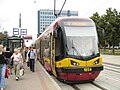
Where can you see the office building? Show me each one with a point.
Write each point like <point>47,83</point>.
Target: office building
<point>46,17</point>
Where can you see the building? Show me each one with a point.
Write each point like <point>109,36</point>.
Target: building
<point>46,17</point>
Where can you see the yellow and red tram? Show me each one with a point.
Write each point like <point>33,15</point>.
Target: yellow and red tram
<point>68,49</point>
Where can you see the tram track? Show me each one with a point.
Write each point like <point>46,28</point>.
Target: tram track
<point>112,70</point>
<point>77,87</point>
<point>111,64</point>
<point>82,86</point>
<point>112,67</point>
<point>97,85</point>
<point>112,77</point>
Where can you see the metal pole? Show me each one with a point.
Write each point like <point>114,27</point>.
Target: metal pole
<point>103,33</point>
<point>20,24</point>
<point>20,27</point>
<point>55,14</point>
<point>54,6</point>
<point>20,20</point>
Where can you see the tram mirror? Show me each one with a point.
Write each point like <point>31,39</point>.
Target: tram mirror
<point>55,34</point>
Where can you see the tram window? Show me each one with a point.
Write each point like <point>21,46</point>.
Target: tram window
<point>47,46</point>
<point>59,44</point>
<point>55,34</point>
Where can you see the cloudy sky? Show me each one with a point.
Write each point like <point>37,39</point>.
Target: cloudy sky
<point>10,10</point>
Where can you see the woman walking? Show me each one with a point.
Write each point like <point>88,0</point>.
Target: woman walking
<point>17,61</point>
<point>2,68</point>
<point>8,54</point>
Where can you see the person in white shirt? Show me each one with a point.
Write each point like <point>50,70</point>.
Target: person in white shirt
<point>17,61</point>
<point>32,56</point>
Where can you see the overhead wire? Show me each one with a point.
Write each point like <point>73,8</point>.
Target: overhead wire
<point>60,9</point>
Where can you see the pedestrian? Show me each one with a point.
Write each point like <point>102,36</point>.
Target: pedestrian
<point>8,54</point>
<point>24,53</point>
<point>3,64</point>
<point>32,56</point>
<point>27,59</point>
<point>17,62</point>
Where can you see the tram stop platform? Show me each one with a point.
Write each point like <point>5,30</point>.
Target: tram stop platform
<point>38,80</point>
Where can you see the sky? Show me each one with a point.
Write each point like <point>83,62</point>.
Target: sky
<point>10,10</point>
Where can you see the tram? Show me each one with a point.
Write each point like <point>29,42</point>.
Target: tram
<point>69,49</point>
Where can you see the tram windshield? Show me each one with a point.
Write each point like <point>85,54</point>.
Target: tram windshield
<point>81,39</point>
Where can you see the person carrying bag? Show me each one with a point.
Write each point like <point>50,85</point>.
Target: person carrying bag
<point>3,64</point>
<point>18,62</point>
<point>21,73</point>
<point>8,54</point>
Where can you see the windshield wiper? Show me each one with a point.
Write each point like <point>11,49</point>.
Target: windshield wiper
<point>76,50</point>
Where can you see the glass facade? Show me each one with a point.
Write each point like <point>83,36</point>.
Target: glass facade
<point>46,17</point>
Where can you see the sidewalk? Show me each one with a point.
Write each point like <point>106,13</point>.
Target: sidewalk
<point>111,59</point>
<point>38,80</point>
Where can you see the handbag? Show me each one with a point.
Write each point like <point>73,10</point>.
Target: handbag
<point>21,73</point>
<point>6,73</point>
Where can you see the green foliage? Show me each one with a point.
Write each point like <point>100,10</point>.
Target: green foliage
<point>108,27</point>
<point>1,36</point>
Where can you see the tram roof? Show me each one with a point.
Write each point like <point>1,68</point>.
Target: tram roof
<point>60,19</point>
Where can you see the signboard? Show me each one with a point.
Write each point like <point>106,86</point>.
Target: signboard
<point>19,31</point>
<point>28,37</point>
<point>78,23</point>
<point>15,31</point>
<point>23,31</point>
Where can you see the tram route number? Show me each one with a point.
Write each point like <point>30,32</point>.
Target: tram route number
<point>87,69</point>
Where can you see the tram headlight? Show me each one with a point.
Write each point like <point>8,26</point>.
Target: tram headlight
<point>96,62</point>
<point>74,63</point>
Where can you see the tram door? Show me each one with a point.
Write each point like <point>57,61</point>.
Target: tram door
<point>52,61</point>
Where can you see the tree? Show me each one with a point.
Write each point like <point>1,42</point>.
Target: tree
<point>3,38</point>
<point>110,24</point>
<point>98,21</point>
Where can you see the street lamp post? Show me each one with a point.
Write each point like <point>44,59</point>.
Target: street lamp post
<point>20,28</point>
<point>103,33</point>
